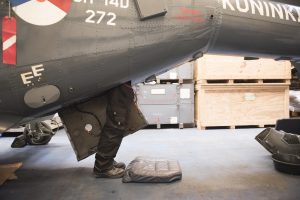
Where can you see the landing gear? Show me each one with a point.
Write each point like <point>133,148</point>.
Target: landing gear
<point>35,133</point>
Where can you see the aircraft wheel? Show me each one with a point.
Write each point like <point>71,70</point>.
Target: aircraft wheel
<point>40,134</point>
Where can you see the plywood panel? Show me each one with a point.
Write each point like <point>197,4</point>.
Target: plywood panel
<point>215,67</point>
<point>235,105</point>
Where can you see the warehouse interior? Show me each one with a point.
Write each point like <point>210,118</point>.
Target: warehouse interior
<point>199,114</point>
<point>216,164</point>
<point>150,99</point>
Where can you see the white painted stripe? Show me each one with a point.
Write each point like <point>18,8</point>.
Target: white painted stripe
<point>9,42</point>
<point>38,13</point>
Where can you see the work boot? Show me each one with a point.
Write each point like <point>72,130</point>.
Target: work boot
<point>119,164</point>
<point>109,173</point>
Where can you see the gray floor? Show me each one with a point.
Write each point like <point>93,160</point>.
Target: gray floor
<point>216,164</point>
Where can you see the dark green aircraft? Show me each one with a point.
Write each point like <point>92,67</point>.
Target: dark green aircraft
<point>61,53</point>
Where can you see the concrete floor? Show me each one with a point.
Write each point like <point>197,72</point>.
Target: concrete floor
<point>216,164</point>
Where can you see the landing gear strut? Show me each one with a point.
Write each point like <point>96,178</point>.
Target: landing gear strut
<point>35,133</point>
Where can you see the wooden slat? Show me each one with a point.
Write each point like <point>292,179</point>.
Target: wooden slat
<point>240,105</point>
<point>244,82</point>
<point>215,67</point>
<point>235,127</point>
<point>7,172</point>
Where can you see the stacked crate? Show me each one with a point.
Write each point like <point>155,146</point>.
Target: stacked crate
<point>170,101</point>
<point>233,92</point>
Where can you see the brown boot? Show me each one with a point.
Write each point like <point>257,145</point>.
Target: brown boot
<point>114,172</point>
<point>119,164</point>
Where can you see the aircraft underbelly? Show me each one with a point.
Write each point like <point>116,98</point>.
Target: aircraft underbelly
<point>8,121</point>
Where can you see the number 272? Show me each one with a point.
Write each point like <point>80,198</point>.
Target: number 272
<point>96,17</point>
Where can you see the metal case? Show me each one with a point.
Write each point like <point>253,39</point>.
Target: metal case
<point>186,93</point>
<point>168,114</point>
<point>167,103</point>
<point>156,94</point>
<point>185,71</point>
<point>160,114</point>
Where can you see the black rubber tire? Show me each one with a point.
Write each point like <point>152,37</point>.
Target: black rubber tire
<point>44,140</point>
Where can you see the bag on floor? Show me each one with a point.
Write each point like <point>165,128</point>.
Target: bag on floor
<point>152,170</point>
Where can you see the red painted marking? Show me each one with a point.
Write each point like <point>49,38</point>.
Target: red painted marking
<point>186,10</point>
<point>64,5</point>
<point>9,30</point>
<point>190,15</point>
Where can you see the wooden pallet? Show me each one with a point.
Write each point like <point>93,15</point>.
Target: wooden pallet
<point>235,127</point>
<point>244,82</point>
<point>168,126</point>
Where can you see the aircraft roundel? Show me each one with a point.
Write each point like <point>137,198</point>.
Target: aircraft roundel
<point>41,12</point>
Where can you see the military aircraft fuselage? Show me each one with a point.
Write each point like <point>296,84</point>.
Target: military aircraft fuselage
<point>93,45</point>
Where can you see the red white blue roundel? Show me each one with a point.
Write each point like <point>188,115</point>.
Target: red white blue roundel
<point>41,12</point>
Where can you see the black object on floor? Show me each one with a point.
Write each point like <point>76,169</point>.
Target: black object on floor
<point>284,167</point>
<point>152,170</point>
<point>289,125</point>
<point>284,147</point>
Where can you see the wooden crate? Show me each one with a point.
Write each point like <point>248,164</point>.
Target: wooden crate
<point>215,67</point>
<point>240,105</point>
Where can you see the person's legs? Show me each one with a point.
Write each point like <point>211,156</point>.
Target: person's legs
<point>109,144</point>
<point>113,133</point>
